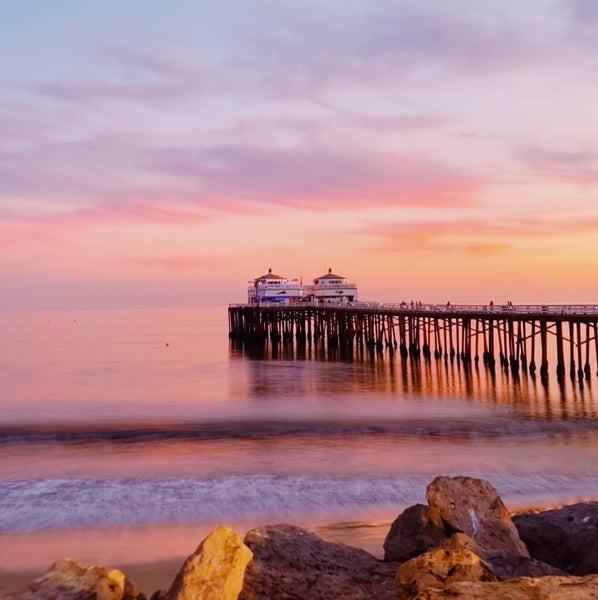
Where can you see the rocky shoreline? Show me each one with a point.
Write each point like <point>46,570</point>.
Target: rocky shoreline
<point>462,544</point>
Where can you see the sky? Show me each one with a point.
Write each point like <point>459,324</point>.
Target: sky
<point>160,153</point>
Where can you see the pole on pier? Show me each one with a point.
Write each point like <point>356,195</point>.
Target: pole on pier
<point>402,335</point>
<point>437,344</point>
<point>579,361</point>
<point>522,333</point>
<point>426,348</point>
<point>532,363</point>
<point>513,359</point>
<point>544,349</point>
<point>560,354</point>
<point>586,367</point>
<point>491,359</point>
<point>571,351</point>
<point>451,347</point>
<point>500,349</point>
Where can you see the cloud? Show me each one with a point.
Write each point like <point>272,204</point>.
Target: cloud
<point>308,50</point>
<point>175,263</point>
<point>398,123</point>
<point>94,92</point>
<point>138,174</point>
<point>136,73</point>
<point>469,236</point>
<point>335,127</point>
<point>557,157</point>
<point>314,177</point>
<point>576,165</point>
<point>140,211</point>
<point>388,43</point>
<point>94,174</point>
<point>161,63</point>
<point>583,11</point>
<point>166,211</point>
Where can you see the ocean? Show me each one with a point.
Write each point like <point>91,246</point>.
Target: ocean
<point>126,435</point>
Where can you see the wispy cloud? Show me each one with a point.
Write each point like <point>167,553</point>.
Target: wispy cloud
<point>307,53</point>
<point>163,63</point>
<point>132,72</point>
<point>123,212</point>
<point>134,174</point>
<point>574,164</point>
<point>94,92</point>
<point>166,211</point>
<point>470,236</point>
<point>398,122</point>
<point>390,43</point>
<point>175,263</point>
<point>583,11</point>
<point>315,178</point>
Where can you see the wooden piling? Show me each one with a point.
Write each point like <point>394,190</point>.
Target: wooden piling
<point>444,331</point>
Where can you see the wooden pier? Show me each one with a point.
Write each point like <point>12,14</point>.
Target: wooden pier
<point>518,337</point>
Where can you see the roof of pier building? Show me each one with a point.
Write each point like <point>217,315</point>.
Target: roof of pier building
<point>270,277</point>
<point>329,275</point>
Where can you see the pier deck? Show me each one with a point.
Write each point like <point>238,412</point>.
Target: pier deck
<point>516,335</point>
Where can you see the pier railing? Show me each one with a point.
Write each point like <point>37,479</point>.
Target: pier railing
<point>455,309</point>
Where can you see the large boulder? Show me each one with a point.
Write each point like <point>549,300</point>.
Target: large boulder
<point>521,588</point>
<point>473,506</point>
<point>455,560</point>
<point>289,562</point>
<point>566,538</point>
<point>417,529</point>
<point>215,571</point>
<point>70,580</point>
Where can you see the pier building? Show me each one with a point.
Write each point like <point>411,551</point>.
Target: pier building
<point>332,288</point>
<point>271,289</point>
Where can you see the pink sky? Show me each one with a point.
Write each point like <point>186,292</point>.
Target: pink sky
<point>153,155</point>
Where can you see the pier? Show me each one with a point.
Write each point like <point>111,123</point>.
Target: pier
<point>516,337</point>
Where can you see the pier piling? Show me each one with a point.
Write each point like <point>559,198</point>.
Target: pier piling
<point>448,332</point>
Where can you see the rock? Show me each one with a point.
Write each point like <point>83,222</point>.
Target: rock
<point>566,538</point>
<point>504,567</point>
<point>521,588</point>
<point>215,571</point>
<point>437,568</point>
<point>289,562</point>
<point>70,580</point>
<point>460,541</point>
<point>474,507</point>
<point>417,529</point>
<point>507,567</point>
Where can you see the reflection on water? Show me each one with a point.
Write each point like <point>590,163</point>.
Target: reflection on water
<point>306,370</point>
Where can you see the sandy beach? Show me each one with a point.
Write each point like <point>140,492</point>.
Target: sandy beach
<point>152,556</point>
<point>149,577</point>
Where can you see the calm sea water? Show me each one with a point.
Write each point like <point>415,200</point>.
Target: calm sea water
<point>149,418</point>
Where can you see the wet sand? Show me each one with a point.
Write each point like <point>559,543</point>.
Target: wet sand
<point>149,577</point>
<point>152,556</point>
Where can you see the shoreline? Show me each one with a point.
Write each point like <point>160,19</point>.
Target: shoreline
<point>149,577</point>
<point>152,555</point>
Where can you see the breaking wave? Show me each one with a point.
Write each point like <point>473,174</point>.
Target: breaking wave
<point>66,503</point>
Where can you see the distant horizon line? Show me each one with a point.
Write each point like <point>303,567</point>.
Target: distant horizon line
<point>225,305</point>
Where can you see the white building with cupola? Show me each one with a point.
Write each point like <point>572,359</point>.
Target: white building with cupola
<point>329,288</point>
